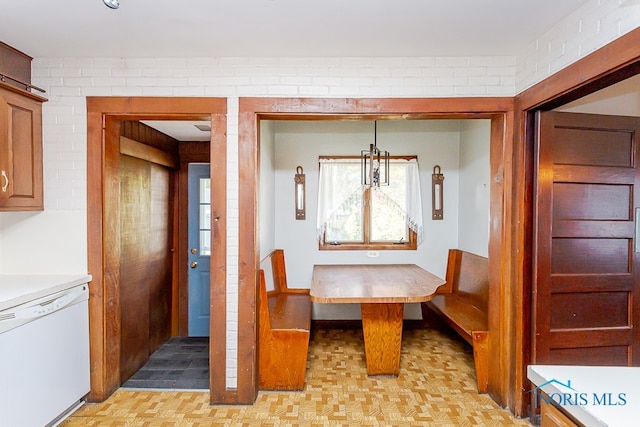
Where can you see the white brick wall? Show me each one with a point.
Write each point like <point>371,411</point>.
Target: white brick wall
<point>69,81</point>
<point>587,29</point>
<point>232,241</point>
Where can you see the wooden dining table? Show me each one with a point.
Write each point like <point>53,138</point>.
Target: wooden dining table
<point>381,290</point>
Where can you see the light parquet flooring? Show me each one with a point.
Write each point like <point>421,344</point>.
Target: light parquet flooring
<point>436,387</point>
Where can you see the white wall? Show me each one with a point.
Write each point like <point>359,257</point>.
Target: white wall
<point>473,192</point>
<point>585,30</point>
<point>266,196</point>
<point>43,242</point>
<point>69,81</point>
<point>622,99</point>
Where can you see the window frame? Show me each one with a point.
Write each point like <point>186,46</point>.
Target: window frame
<point>411,244</point>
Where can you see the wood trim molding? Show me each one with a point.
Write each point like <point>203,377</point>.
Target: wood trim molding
<point>613,62</point>
<point>498,110</point>
<point>104,115</point>
<point>502,288</point>
<point>101,382</point>
<point>132,148</point>
<point>22,92</point>
<point>218,260</point>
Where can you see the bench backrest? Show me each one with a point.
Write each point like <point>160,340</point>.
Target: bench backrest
<point>275,271</point>
<point>468,276</point>
<point>263,304</point>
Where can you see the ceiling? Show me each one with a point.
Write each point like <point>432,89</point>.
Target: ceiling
<point>184,130</point>
<point>276,28</point>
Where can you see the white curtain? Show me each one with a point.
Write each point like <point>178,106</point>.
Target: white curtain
<point>337,189</point>
<point>409,202</point>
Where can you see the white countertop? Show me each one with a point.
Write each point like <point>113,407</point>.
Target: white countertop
<point>593,395</point>
<point>16,289</point>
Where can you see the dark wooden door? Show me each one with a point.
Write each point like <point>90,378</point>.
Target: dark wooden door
<point>146,234</point>
<point>586,252</point>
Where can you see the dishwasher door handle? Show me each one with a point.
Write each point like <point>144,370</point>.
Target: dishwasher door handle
<point>49,306</point>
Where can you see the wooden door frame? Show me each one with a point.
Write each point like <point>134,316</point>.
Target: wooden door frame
<point>190,152</point>
<point>102,227</point>
<point>610,64</point>
<point>498,110</point>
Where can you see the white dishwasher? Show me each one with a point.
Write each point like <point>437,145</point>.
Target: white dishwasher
<point>44,354</point>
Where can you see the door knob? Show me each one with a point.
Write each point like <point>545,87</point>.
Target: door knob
<point>194,264</point>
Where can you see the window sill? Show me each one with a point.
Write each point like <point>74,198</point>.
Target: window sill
<point>368,247</point>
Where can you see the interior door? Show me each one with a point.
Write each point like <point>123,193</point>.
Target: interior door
<point>134,239</point>
<point>199,195</point>
<point>145,262</point>
<point>586,248</point>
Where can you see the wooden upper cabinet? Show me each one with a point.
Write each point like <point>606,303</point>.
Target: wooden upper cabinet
<point>21,186</point>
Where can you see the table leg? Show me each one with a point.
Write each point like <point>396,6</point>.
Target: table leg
<point>382,328</point>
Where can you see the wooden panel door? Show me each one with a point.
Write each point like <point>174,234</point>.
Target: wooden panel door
<point>159,255</point>
<point>585,285</point>
<point>135,266</point>
<point>146,234</point>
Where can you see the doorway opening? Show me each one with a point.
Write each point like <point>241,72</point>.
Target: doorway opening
<point>603,94</point>
<point>106,254</point>
<point>253,111</point>
<point>173,361</point>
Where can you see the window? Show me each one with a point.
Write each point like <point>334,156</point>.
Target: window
<point>352,216</point>
<point>204,223</point>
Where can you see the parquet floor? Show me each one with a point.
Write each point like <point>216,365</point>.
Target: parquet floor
<point>436,387</point>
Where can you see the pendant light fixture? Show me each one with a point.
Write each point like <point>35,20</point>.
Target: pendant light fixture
<point>113,4</point>
<point>374,164</point>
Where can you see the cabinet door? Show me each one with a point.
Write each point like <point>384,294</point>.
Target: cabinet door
<point>6,160</point>
<point>551,416</point>
<point>21,145</point>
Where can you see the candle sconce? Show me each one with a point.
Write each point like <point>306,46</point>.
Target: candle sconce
<point>437,193</point>
<point>299,193</point>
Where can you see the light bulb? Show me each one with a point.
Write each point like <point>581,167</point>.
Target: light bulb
<point>113,4</point>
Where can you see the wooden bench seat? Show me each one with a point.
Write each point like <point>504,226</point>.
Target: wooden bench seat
<point>462,302</point>
<point>289,310</point>
<point>284,330</point>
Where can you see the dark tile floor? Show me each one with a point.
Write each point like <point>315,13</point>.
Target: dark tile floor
<point>179,364</point>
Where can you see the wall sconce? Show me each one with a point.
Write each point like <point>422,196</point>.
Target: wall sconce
<point>437,192</point>
<point>299,191</point>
